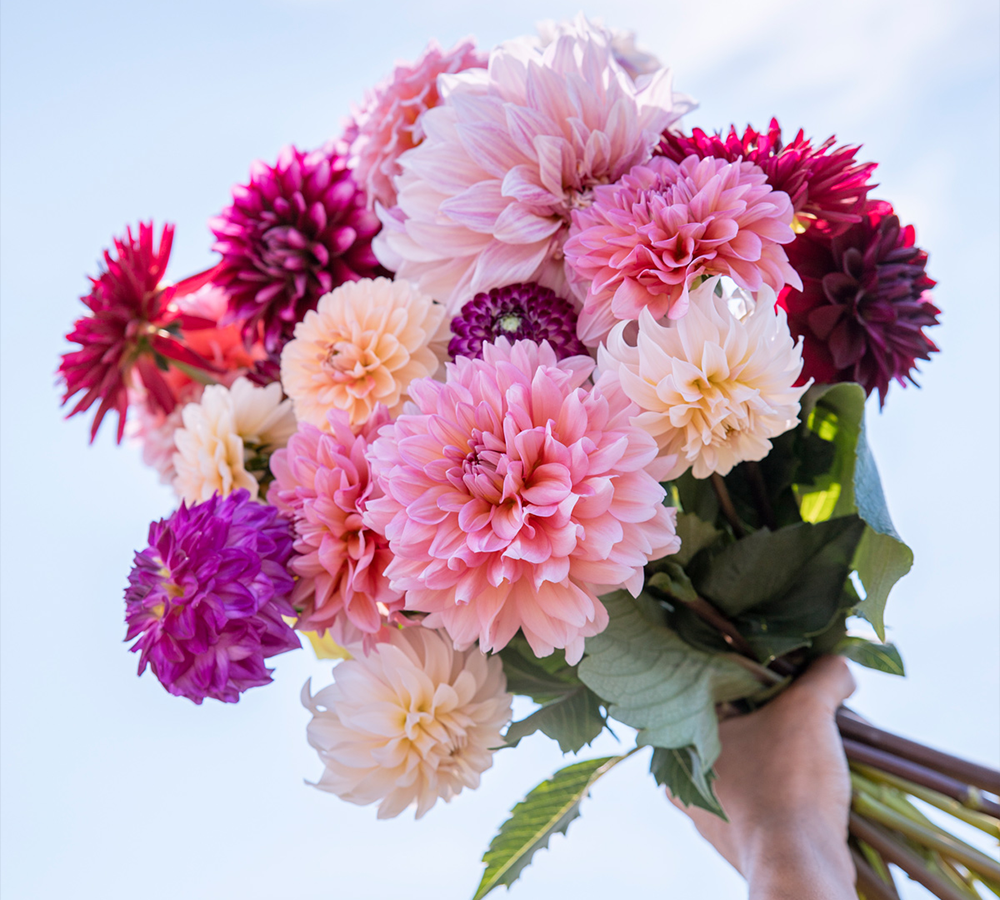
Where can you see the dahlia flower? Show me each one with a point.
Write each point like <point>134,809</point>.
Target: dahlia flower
<point>322,483</point>
<point>125,339</point>
<point>511,493</point>
<point>712,387</point>
<point>486,199</point>
<point>228,437</point>
<point>154,429</point>
<point>824,183</point>
<point>207,595</point>
<point>362,345</point>
<point>388,122</point>
<point>646,239</point>
<point>864,303</point>
<point>632,58</point>
<point>296,231</point>
<point>516,312</point>
<point>414,721</point>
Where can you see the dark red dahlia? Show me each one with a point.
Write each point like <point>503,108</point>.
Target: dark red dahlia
<point>864,302</point>
<point>824,183</point>
<point>131,330</point>
<point>299,229</point>
<point>517,312</point>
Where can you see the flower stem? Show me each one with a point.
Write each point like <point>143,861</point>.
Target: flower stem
<point>726,505</point>
<point>869,884</point>
<point>760,496</point>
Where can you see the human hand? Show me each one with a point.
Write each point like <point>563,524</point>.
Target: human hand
<point>784,784</point>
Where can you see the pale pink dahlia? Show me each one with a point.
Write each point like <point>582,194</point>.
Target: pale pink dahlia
<point>645,240</point>
<point>485,200</point>
<point>513,496</point>
<point>322,482</point>
<point>388,122</point>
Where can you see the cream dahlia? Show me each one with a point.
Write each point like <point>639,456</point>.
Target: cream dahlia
<point>362,345</point>
<point>511,493</point>
<point>485,200</point>
<point>714,386</point>
<point>645,240</point>
<point>228,438</point>
<point>414,721</point>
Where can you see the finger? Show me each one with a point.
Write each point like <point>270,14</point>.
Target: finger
<point>829,679</point>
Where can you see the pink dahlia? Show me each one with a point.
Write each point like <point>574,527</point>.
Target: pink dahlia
<point>645,240</point>
<point>824,183</point>
<point>388,122</point>
<point>130,333</point>
<point>864,303</point>
<point>514,496</point>
<point>323,484</point>
<point>485,200</point>
<point>296,231</point>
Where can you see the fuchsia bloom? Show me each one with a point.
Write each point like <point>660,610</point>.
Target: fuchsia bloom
<point>645,239</point>
<point>207,595</point>
<point>388,123</point>
<point>323,484</point>
<point>125,336</point>
<point>296,231</point>
<point>517,312</point>
<point>511,493</point>
<point>864,303</point>
<point>824,184</point>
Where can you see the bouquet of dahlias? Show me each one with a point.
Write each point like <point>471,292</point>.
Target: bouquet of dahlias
<point>519,387</point>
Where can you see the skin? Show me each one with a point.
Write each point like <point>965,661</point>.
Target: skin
<point>784,783</point>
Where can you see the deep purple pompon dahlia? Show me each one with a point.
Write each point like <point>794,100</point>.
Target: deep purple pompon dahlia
<point>517,312</point>
<point>206,597</point>
<point>296,231</point>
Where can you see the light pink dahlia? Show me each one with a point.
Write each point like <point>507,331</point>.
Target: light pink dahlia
<point>323,483</point>
<point>485,200</point>
<point>388,122</point>
<point>645,240</point>
<point>514,495</point>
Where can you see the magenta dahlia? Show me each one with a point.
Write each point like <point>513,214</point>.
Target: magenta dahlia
<point>517,312</point>
<point>131,331</point>
<point>296,231</point>
<point>864,302</point>
<point>207,596</point>
<point>824,183</point>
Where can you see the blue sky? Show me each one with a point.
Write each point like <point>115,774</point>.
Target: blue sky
<point>113,112</point>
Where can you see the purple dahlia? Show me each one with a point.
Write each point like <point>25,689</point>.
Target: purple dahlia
<point>517,312</point>
<point>207,596</point>
<point>825,183</point>
<point>864,302</point>
<point>296,231</point>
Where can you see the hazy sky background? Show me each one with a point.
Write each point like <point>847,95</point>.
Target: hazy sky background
<point>113,112</point>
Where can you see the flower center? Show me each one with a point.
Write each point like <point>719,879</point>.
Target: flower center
<point>510,322</point>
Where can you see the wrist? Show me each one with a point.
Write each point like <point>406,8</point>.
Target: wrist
<point>798,861</point>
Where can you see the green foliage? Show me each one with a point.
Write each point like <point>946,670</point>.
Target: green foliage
<point>574,720</point>
<point>696,534</point>
<point>547,810</point>
<point>881,657</point>
<point>681,771</point>
<point>543,680</point>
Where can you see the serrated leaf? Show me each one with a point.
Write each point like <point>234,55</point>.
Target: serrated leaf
<point>547,810</point>
<point>530,676</point>
<point>681,772</point>
<point>573,720</point>
<point>881,657</point>
<point>671,579</point>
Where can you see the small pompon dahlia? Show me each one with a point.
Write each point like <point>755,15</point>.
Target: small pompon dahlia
<point>412,722</point>
<point>517,312</point>
<point>646,239</point>
<point>388,122</point>
<point>864,303</point>
<point>510,493</point>
<point>207,596</point>
<point>125,338</point>
<point>825,183</point>
<point>362,346</point>
<point>228,438</point>
<point>713,387</point>
<point>322,483</point>
<point>485,200</point>
<point>296,231</point>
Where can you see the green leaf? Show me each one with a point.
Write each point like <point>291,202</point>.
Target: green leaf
<point>657,683</point>
<point>671,579</point>
<point>881,657</point>
<point>542,680</point>
<point>680,770</point>
<point>573,720</point>
<point>695,535</point>
<point>547,810</point>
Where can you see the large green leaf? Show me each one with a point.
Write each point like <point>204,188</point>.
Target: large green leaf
<point>680,769</point>
<point>657,683</point>
<point>573,720</point>
<point>696,534</point>
<point>547,810</point>
<point>881,657</point>
<point>543,680</point>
